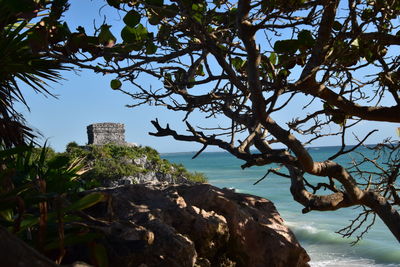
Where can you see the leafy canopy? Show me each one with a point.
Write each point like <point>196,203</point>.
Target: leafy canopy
<point>248,64</point>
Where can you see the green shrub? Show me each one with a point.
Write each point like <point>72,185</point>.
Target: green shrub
<point>197,177</point>
<point>113,161</point>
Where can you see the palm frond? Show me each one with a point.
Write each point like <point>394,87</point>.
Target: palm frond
<point>21,65</point>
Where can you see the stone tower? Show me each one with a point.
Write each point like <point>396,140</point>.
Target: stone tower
<point>105,133</point>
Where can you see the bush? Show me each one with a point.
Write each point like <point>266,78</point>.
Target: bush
<point>113,162</point>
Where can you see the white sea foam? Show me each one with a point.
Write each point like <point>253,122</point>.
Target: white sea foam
<point>340,261</point>
<point>302,226</point>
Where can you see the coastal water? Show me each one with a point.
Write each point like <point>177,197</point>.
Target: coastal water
<point>315,230</point>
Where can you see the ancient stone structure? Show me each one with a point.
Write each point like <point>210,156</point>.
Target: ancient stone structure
<point>105,133</point>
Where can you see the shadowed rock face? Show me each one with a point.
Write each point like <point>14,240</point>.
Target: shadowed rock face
<point>194,225</point>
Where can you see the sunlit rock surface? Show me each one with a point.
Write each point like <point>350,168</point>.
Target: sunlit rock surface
<point>194,225</point>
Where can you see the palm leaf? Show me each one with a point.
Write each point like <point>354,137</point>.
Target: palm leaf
<point>21,65</point>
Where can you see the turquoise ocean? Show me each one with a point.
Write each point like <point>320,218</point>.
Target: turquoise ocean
<point>315,230</point>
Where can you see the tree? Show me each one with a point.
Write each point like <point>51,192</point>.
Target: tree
<point>245,61</point>
<point>24,45</point>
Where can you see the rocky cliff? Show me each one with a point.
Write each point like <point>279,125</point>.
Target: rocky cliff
<point>193,225</point>
<point>160,221</point>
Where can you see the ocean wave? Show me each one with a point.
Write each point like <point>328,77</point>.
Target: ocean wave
<point>311,234</point>
<point>335,260</point>
<point>320,244</point>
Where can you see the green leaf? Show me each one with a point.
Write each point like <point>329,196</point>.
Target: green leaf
<point>115,84</point>
<point>273,58</point>
<point>174,43</point>
<point>86,202</point>
<point>200,70</point>
<point>198,17</point>
<point>132,18</point>
<point>198,7</point>
<point>154,19</point>
<point>7,214</point>
<point>106,38</point>
<point>19,5</point>
<point>305,38</point>
<point>195,7</point>
<point>283,74</point>
<point>191,80</point>
<point>132,35</point>
<point>171,11</point>
<point>127,35</point>
<point>368,54</point>
<point>238,63</point>
<point>29,222</point>
<point>287,61</point>
<point>286,46</point>
<point>151,48</point>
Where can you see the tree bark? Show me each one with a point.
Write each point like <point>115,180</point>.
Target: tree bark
<point>385,211</point>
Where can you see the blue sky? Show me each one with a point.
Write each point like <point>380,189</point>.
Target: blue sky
<point>85,98</point>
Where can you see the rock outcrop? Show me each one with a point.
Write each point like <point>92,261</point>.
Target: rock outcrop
<point>193,225</point>
<point>154,176</point>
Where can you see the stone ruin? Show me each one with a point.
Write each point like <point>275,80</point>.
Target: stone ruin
<point>105,133</point>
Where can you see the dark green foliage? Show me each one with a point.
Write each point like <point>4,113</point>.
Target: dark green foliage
<point>115,84</point>
<point>132,18</point>
<point>39,199</point>
<point>23,63</point>
<point>114,161</point>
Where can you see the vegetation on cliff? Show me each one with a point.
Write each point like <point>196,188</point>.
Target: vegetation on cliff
<point>113,162</point>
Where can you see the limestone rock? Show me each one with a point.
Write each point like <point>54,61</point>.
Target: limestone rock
<point>141,161</point>
<point>194,225</point>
